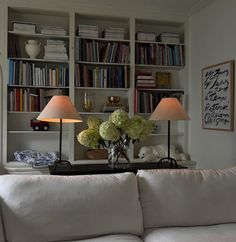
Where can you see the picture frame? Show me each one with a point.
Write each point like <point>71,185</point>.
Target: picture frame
<point>218,96</point>
<point>163,80</point>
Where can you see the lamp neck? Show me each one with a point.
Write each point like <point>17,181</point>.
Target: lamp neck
<point>60,139</point>
<point>168,139</point>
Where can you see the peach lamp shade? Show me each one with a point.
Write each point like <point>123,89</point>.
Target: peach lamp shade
<point>169,109</point>
<point>60,108</point>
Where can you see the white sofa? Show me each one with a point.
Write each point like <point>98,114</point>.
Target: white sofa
<point>154,206</point>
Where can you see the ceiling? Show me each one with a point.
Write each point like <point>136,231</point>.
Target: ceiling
<point>183,7</point>
<point>173,5</point>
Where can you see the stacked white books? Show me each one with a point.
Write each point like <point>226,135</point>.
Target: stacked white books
<point>114,33</point>
<point>146,36</point>
<point>89,31</point>
<point>21,27</point>
<point>171,38</point>
<point>55,50</point>
<point>145,80</point>
<point>53,30</point>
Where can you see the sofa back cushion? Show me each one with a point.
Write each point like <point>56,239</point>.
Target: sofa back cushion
<point>187,197</point>
<point>1,227</point>
<point>57,208</point>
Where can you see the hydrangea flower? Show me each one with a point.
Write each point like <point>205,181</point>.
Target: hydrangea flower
<point>119,118</point>
<point>119,130</point>
<point>109,132</point>
<point>147,129</point>
<point>134,127</point>
<point>93,122</point>
<point>89,138</point>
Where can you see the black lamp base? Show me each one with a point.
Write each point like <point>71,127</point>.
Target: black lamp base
<point>61,163</point>
<point>167,160</point>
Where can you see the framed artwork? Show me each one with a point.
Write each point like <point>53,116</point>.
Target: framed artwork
<point>218,96</point>
<point>163,80</point>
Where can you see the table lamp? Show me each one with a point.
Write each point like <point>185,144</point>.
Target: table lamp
<point>60,110</point>
<point>169,109</point>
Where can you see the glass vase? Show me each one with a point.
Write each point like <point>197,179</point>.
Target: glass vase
<point>117,156</point>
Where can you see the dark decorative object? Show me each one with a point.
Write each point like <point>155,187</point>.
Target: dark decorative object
<point>38,125</point>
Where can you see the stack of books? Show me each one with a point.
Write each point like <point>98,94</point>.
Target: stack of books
<point>53,30</point>
<point>145,80</point>
<point>114,33</point>
<point>55,50</point>
<point>171,38</point>
<point>87,31</point>
<point>146,36</point>
<point>29,28</point>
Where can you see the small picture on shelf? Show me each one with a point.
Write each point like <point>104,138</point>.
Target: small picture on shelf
<point>163,80</point>
<point>112,104</point>
<point>24,27</point>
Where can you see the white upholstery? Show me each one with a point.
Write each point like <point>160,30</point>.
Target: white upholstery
<point>1,228</point>
<point>56,208</point>
<point>213,233</point>
<point>187,197</point>
<point>112,238</point>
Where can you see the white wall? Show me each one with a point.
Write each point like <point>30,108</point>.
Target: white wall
<point>212,40</point>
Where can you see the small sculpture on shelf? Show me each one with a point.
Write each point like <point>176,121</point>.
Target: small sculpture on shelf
<point>112,104</point>
<point>156,152</point>
<point>32,48</point>
<point>37,125</point>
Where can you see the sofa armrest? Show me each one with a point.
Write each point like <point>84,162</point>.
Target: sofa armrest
<point>2,239</point>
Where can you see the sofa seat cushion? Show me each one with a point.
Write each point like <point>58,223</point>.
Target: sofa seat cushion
<point>58,208</point>
<point>184,197</point>
<point>112,238</point>
<point>212,233</point>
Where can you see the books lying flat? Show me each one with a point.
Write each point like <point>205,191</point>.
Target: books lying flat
<point>114,33</point>
<point>146,36</point>
<point>22,27</point>
<point>107,108</point>
<point>53,30</point>
<point>171,38</point>
<point>89,31</point>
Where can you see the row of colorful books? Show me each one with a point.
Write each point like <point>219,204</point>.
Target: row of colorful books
<point>159,54</point>
<point>146,101</point>
<point>31,100</point>
<point>28,73</point>
<point>111,77</point>
<point>94,51</point>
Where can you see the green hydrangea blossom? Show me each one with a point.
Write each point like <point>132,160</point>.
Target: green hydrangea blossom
<point>109,132</point>
<point>147,129</point>
<point>94,122</point>
<point>89,138</point>
<point>134,127</point>
<point>119,118</point>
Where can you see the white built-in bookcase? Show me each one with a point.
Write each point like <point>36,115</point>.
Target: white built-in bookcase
<point>17,133</point>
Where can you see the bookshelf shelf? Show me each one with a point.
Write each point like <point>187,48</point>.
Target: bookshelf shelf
<point>43,87</point>
<point>101,63</point>
<point>161,90</point>
<point>38,60</point>
<point>39,35</point>
<point>156,42</point>
<point>166,134</point>
<point>104,40</point>
<point>94,113</point>
<point>96,65</point>
<point>158,66</point>
<point>22,112</point>
<point>35,132</point>
<point>102,89</point>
